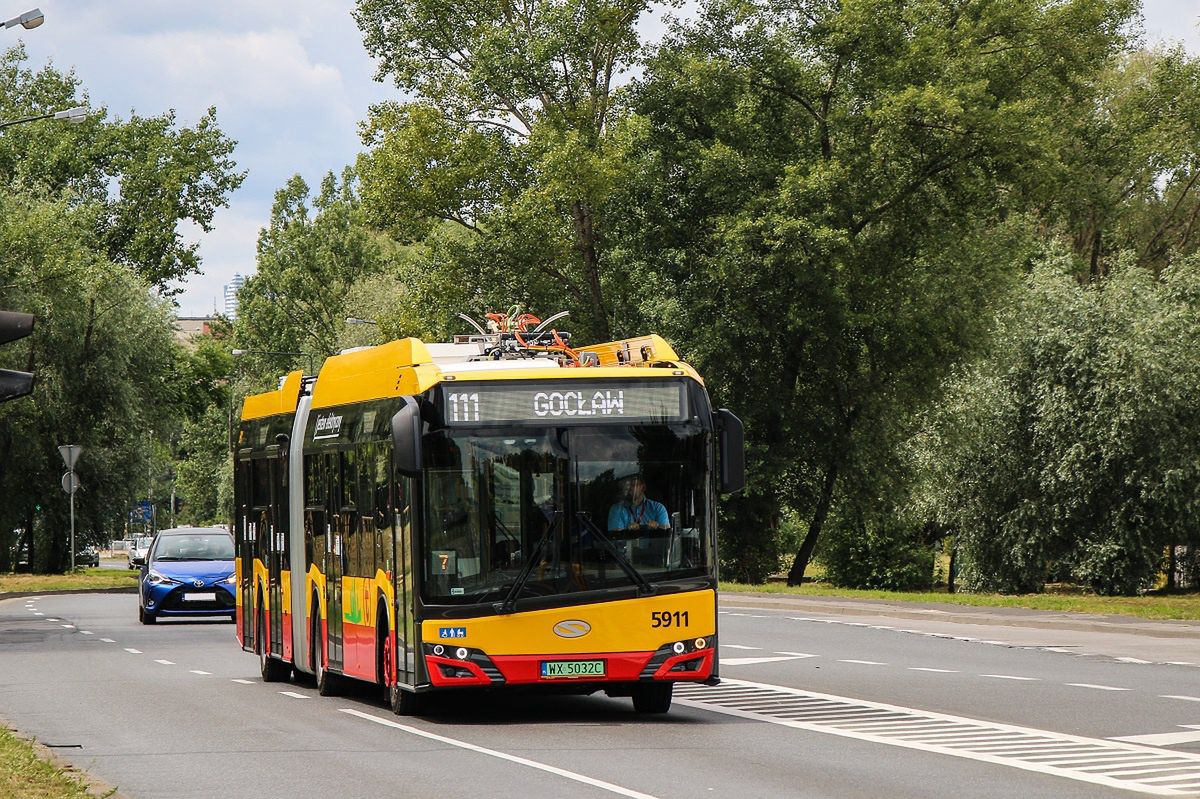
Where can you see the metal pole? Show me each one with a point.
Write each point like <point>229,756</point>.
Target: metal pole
<point>71,483</point>
<point>172,504</point>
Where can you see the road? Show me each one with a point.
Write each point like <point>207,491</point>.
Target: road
<point>810,707</point>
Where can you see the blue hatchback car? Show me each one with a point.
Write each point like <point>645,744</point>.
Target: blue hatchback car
<point>188,572</point>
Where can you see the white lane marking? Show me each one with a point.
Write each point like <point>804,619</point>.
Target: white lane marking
<point>39,613</point>
<point>739,646</point>
<point>1184,698</point>
<point>1180,663</point>
<point>133,651</point>
<point>1097,687</point>
<point>293,695</point>
<point>108,640</point>
<point>68,626</point>
<point>197,671</point>
<point>936,671</point>
<point>864,662</point>
<point>1133,660</point>
<point>727,697</point>
<point>753,661</point>
<point>571,775</point>
<point>795,654</point>
<point>243,682</point>
<point>1011,677</point>
<point>1165,738</point>
<point>85,632</point>
<point>49,619</point>
<point>166,662</point>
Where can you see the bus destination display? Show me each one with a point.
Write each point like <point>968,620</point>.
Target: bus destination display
<point>657,401</point>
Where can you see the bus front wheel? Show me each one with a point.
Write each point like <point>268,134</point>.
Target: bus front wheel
<point>653,697</point>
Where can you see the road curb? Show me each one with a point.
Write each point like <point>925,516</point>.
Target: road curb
<point>1052,620</point>
<point>94,786</point>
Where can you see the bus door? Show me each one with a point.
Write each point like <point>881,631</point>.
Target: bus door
<point>401,558</point>
<point>245,554</point>
<point>335,559</point>
<point>275,557</point>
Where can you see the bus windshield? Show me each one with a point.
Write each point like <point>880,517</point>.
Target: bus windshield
<point>555,511</point>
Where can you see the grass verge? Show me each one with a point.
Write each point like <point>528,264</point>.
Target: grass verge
<point>24,774</point>
<point>81,579</point>
<point>1179,607</point>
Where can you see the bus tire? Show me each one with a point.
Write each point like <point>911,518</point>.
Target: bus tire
<point>405,703</point>
<point>326,682</point>
<point>652,697</point>
<point>272,669</point>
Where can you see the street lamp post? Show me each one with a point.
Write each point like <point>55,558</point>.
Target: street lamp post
<point>29,20</point>
<point>73,115</point>
<point>240,353</point>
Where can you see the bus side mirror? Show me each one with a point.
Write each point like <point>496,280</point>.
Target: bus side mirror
<point>733,451</point>
<point>406,438</point>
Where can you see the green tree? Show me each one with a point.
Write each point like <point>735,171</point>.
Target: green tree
<point>140,177</point>
<point>104,359</point>
<point>511,140</point>
<point>1073,446</point>
<point>308,261</point>
<point>822,209</point>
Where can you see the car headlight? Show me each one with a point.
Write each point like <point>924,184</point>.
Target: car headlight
<point>158,578</point>
<point>230,580</point>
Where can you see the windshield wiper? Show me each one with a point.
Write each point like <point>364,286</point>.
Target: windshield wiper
<point>510,601</point>
<point>644,587</point>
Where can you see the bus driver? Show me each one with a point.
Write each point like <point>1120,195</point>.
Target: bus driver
<point>635,511</point>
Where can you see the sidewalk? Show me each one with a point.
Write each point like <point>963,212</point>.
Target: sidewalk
<point>1082,633</point>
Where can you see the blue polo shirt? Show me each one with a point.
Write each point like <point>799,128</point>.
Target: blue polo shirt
<point>621,515</point>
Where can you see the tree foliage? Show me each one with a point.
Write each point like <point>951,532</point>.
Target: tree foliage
<point>1073,446</point>
<point>139,178</point>
<point>510,138</point>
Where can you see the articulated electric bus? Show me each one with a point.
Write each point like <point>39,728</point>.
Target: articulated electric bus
<point>502,511</point>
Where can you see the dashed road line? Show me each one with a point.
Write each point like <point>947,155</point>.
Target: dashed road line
<point>198,671</point>
<point>68,626</point>
<point>571,775</point>
<point>864,662</point>
<point>1133,660</point>
<point>166,662</point>
<point>739,646</point>
<point>797,654</point>
<point>108,640</point>
<point>243,682</point>
<point>1177,696</point>
<point>936,671</point>
<point>1096,687</point>
<point>1012,677</point>
<point>293,695</point>
<point>133,651</point>
<point>86,632</point>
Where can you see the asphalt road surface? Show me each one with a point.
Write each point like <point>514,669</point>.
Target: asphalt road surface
<point>808,708</point>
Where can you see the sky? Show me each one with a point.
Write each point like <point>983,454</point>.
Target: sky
<point>291,83</point>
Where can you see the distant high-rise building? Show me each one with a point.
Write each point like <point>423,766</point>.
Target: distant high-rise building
<point>231,290</point>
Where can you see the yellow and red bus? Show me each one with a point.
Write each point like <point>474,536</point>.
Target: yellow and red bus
<point>429,517</point>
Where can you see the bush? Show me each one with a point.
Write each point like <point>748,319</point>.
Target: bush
<point>884,554</point>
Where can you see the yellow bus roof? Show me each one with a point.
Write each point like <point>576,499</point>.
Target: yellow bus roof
<point>409,366</point>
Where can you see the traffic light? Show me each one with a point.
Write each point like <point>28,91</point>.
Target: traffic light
<point>14,326</point>
<point>178,504</point>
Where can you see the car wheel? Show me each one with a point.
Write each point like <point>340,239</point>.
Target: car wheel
<point>146,618</point>
<point>652,698</point>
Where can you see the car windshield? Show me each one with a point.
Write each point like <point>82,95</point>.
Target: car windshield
<point>564,510</point>
<point>195,546</point>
